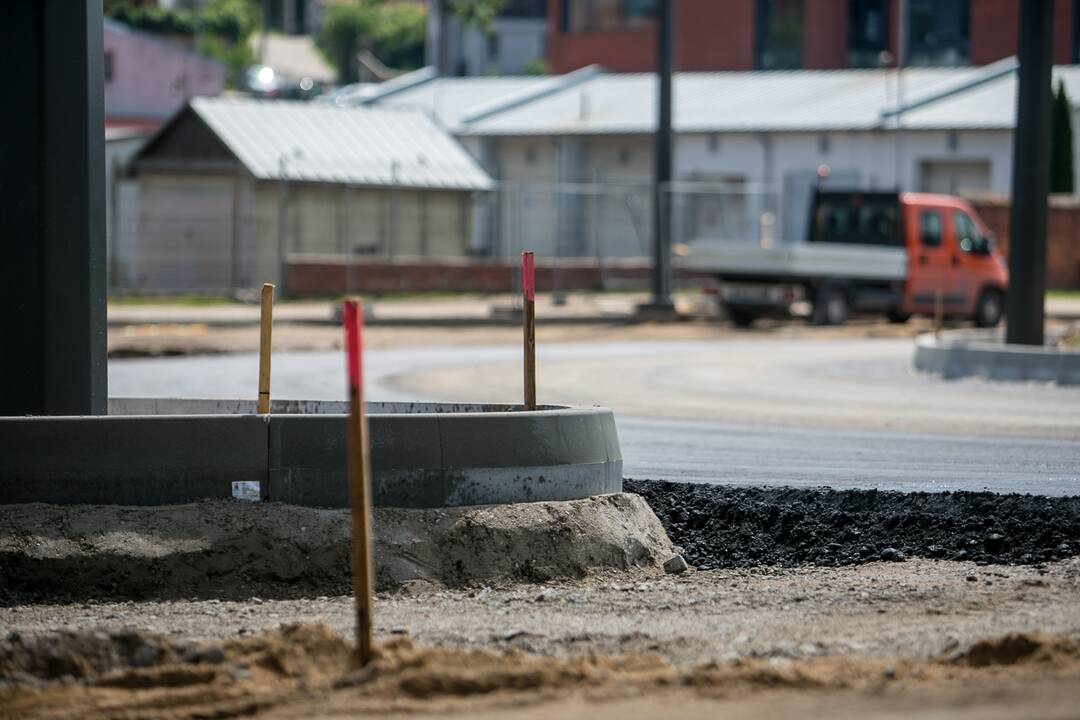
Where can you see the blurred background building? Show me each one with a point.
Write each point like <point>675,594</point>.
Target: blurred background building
<point>769,94</point>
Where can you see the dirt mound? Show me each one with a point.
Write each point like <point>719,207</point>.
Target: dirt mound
<point>721,526</point>
<point>304,671</point>
<point>226,549</point>
<point>1015,648</point>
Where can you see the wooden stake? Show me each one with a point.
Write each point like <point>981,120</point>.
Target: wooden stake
<point>359,462</point>
<point>939,311</point>
<point>528,315</point>
<point>266,320</point>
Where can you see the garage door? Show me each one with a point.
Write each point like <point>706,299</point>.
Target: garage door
<point>953,177</point>
<point>184,239</point>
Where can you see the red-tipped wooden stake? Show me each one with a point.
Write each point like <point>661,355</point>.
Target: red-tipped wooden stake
<point>528,291</point>
<point>363,576</point>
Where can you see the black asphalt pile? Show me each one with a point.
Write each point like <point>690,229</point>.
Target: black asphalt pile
<point>723,527</point>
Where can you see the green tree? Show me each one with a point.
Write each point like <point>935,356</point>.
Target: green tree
<point>1062,178</point>
<point>346,29</point>
<point>399,36</point>
<point>479,14</point>
<point>393,32</point>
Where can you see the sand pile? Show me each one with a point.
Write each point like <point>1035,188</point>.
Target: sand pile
<point>226,549</point>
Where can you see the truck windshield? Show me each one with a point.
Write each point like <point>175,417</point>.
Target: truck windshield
<point>855,219</point>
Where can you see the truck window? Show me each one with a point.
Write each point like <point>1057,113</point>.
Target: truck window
<point>968,236</point>
<point>856,219</point>
<point>930,228</point>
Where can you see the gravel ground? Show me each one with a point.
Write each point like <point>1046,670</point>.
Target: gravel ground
<point>915,609</point>
<point>721,526</point>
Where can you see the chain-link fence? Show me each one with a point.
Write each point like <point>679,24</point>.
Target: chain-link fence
<point>228,234</point>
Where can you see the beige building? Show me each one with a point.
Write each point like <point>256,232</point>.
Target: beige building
<point>230,188</point>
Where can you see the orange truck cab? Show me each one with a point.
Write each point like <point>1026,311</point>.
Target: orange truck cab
<point>951,251</point>
<point>872,252</point>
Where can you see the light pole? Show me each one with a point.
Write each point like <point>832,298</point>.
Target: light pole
<point>1030,177</point>
<point>660,303</point>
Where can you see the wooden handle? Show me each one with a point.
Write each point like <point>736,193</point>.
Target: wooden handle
<point>359,463</point>
<point>266,320</point>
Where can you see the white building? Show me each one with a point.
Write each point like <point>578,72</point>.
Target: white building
<point>573,153</point>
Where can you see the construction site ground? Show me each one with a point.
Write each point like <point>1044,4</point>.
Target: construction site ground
<point>920,638</point>
<point>916,636</point>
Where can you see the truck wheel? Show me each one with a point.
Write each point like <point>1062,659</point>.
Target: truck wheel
<point>989,308</point>
<point>897,317</point>
<point>831,307</point>
<point>742,317</point>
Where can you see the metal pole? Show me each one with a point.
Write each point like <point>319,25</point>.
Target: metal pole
<point>901,61</point>
<point>53,275</point>
<point>661,276</point>
<point>283,217</point>
<point>1031,177</point>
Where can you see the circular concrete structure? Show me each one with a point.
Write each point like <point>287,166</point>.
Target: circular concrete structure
<point>983,353</point>
<point>424,455</point>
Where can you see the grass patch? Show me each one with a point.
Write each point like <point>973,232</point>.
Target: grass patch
<point>1063,294</point>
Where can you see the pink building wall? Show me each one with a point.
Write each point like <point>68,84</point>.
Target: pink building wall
<point>148,78</point>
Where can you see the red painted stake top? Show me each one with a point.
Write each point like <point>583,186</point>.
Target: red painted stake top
<point>353,317</point>
<point>528,276</point>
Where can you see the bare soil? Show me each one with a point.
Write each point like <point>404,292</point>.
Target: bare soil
<point>309,671</point>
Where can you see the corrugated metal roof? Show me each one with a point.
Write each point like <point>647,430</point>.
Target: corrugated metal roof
<point>447,99</point>
<point>775,101</point>
<point>310,142</point>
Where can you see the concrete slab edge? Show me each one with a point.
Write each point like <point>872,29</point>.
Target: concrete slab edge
<point>973,353</point>
<point>419,459</point>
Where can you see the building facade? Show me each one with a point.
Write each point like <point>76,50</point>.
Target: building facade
<point>516,45</point>
<point>795,34</point>
<point>147,78</point>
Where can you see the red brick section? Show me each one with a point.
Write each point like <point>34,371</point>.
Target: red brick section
<point>825,35</point>
<point>1063,236</point>
<point>995,24</point>
<point>321,276</point>
<point>719,35</point>
<point>709,35</point>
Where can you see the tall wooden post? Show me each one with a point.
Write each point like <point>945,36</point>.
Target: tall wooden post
<point>359,465</point>
<point>266,322</point>
<point>528,315</point>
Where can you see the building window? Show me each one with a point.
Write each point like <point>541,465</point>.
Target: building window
<point>624,155</point>
<point>779,34</point>
<point>493,45</point>
<point>1075,53</point>
<point>714,143</point>
<point>824,145</point>
<point>868,32</point>
<point>524,9</point>
<point>577,16</point>
<point>939,33</point>
<point>110,66</point>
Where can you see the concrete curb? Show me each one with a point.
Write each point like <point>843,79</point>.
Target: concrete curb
<point>982,353</point>
<point>423,455</point>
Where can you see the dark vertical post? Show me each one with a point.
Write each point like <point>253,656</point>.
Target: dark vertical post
<point>52,179</point>
<point>1031,177</point>
<point>661,275</point>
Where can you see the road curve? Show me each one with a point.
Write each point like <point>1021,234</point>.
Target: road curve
<point>801,412</point>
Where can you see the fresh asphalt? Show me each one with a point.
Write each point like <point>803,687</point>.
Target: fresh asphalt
<point>836,413</point>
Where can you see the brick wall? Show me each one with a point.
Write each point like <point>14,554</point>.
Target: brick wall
<point>719,35</point>
<point>1063,235</point>
<point>324,275</point>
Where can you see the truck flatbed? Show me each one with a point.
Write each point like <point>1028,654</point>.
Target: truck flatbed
<point>798,261</point>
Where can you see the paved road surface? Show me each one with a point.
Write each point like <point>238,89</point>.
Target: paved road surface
<point>842,413</point>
